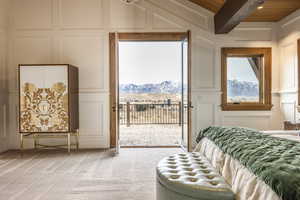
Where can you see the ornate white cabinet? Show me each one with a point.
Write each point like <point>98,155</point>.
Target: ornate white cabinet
<point>48,100</point>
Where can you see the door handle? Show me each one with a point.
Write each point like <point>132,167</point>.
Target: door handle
<point>114,109</point>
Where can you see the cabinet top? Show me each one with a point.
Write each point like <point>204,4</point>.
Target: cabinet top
<point>41,65</point>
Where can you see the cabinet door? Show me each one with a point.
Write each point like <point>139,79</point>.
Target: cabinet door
<point>55,74</point>
<point>44,99</point>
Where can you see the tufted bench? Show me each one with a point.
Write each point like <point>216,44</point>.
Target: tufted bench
<point>190,176</point>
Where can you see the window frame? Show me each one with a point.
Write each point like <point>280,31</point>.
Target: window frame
<point>265,83</point>
<point>298,58</point>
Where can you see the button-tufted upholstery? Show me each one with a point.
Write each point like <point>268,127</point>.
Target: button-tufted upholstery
<point>190,176</point>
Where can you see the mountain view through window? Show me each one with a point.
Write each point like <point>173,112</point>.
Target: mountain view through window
<point>150,72</point>
<point>243,79</point>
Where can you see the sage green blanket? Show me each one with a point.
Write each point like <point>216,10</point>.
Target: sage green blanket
<point>276,161</point>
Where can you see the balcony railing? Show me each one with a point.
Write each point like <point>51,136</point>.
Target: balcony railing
<point>139,114</point>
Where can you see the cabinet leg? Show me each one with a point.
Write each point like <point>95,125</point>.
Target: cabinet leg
<point>35,141</point>
<point>69,142</point>
<point>77,140</point>
<point>21,143</point>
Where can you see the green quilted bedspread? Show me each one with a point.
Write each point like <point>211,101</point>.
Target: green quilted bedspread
<point>276,161</point>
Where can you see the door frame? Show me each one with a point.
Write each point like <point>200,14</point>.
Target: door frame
<point>143,36</point>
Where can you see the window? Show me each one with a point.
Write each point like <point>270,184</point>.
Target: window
<point>246,79</point>
<point>298,54</point>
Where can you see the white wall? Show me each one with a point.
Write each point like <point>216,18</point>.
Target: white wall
<point>288,34</point>
<point>76,32</point>
<point>3,75</point>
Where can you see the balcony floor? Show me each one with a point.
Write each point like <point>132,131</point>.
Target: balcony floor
<point>150,135</point>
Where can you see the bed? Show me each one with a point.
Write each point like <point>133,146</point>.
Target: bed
<point>257,165</point>
<point>287,134</point>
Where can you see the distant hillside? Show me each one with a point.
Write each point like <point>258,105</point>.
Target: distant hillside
<point>235,88</point>
<point>242,88</point>
<point>166,87</point>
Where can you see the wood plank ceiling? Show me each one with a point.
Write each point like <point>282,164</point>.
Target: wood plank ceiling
<point>272,11</point>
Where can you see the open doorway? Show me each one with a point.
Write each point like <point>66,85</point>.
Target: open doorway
<point>150,89</point>
<point>150,93</point>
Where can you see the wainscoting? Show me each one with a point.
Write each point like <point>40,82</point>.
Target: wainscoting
<point>59,31</point>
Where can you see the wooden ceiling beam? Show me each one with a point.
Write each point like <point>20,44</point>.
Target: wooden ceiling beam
<point>212,5</point>
<point>233,12</point>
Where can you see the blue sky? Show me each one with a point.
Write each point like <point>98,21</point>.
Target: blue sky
<point>149,62</point>
<point>240,69</point>
<point>154,62</point>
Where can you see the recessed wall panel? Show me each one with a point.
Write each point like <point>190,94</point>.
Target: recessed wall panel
<point>124,15</point>
<point>203,62</point>
<point>81,14</point>
<point>91,118</point>
<point>255,122</point>
<point>160,22</point>
<point>32,50</point>
<point>32,14</point>
<point>86,52</point>
<point>288,111</point>
<point>288,67</point>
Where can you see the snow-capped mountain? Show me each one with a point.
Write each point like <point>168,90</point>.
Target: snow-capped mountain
<point>168,87</point>
<point>235,88</point>
<point>242,88</point>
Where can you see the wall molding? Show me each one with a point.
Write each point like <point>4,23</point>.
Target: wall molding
<point>82,91</point>
<point>289,19</point>
<point>254,117</point>
<point>91,142</point>
<point>181,14</point>
<point>206,90</point>
<point>98,43</point>
<point>85,142</point>
<point>119,26</point>
<point>253,28</point>
<point>282,92</point>
<point>166,20</point>
<point>293,110</point>
<point>245,114</point>
<point>80,27</point>
<point>201,20</point>
<point>28,28</point>
<point>100,112</point>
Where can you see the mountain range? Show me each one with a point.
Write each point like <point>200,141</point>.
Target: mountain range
<point>168,87</point>
<point>235,88</point>
<point>242,88</point>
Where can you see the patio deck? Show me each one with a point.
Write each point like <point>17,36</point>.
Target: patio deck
<point>150,135</point>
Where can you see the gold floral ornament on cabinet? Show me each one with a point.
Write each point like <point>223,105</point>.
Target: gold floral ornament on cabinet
<point>49,105</point>
<point>44,109</point>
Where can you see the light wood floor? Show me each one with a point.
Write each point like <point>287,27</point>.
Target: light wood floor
<point>55,175</point>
